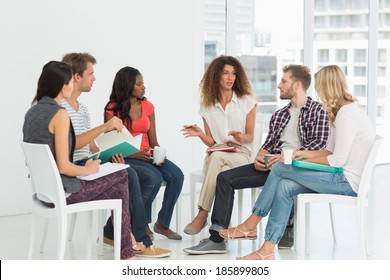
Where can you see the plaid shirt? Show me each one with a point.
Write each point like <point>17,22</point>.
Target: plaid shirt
<point>313,125</point>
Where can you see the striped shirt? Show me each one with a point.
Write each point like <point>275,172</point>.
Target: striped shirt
<point>81,123</point>
<point>313,127</point>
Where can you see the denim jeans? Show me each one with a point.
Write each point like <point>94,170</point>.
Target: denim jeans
<point>286,181</point>
<point>242,177</point>
<point>173,176</point>
<point>139,179</point>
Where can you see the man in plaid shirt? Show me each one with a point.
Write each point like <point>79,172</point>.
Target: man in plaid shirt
<point>301,125</point>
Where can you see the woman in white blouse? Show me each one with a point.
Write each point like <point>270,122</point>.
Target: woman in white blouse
<point>350,142</point>
<point>228,110</point>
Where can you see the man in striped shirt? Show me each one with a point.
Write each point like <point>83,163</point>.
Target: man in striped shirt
<point>301,125</point>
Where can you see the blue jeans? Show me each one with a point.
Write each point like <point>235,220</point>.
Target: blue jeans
<point>174,178</point>
<point>286,181</point>
<point>140,183</point>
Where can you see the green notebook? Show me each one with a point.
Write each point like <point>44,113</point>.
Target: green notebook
<point>114,142</point>
<point>318,167</point>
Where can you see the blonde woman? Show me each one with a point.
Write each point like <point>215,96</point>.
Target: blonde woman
<point>348,147</point>
<point>228,110</point>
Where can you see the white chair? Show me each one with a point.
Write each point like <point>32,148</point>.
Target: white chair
<point>197,176</point>
<point>46,182</point>
<point>302,208</point>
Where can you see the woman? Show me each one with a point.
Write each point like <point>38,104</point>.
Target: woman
<point>228,109</point>
<point>127,102</point>
<point>348,147</point>
<point>49,123</point>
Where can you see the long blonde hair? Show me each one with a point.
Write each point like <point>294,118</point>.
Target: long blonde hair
<point>331,86</point>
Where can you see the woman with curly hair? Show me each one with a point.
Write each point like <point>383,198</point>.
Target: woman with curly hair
<point>228,110</point>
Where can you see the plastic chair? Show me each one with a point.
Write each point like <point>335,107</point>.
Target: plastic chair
<point>197,176</point>
<point>46,182</point>
<point>302,208</point>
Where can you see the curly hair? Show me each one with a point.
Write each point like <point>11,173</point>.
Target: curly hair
<point>210,87</point>
<point>331,86</point>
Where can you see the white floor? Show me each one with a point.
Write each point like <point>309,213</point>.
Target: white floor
<point>14,234</point>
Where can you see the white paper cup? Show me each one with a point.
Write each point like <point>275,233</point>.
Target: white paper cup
<point>159,154</point>
<point>287,155</point>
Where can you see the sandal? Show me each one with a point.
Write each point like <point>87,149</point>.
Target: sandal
<point>258,255</point>
<point>246,234</point>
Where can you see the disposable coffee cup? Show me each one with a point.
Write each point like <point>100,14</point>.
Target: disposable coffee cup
<point>267,157</point>
<point>287,155</point>
<point>159,154</point>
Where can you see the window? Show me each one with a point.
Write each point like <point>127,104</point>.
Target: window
<point>323,55</point>
<point>341,55</point>
<point>359,71</point>
<point>360,55</point>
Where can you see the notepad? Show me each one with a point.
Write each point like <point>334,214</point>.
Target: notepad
<point>222,148</point>
<point>317,167</point>
<point>105,169</point>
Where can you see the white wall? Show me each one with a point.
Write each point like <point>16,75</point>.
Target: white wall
<point>163,39</point>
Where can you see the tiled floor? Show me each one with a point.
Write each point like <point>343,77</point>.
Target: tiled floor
<point>14,234</point>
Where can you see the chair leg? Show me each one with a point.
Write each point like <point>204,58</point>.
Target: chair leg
<point>32,236</point>
<point>44,235</point>
<point>89,234</point>
<point>101,220</point>
<point>73,219</point>
<point>117,219</point>
<point>178,204</point>
<point>332,221</point>
<point>61,242</point>
<point>192,196</point>
<point>239,210</point>
<point>299,227</point>
<point>362,232</point>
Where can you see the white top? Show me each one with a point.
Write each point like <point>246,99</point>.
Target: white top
<point>233,117</point>
<point>350,141</point>
<point>290,135</point>
<point>81,122</point>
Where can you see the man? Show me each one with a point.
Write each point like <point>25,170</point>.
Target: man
<point>301,125</point>
<point>83,78</point>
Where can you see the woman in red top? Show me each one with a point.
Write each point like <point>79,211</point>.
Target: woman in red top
<point>127,102</point>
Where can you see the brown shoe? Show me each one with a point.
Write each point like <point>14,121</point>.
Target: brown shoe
<point>154,252</point>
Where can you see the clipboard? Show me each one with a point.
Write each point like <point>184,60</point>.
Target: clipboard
<point>317,167</point>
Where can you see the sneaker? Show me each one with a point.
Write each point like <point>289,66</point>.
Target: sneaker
<point>154,252</point>
<point>287,240</point>
<point>207,246</point>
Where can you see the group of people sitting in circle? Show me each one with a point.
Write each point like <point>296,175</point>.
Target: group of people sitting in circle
<point>323,133</point>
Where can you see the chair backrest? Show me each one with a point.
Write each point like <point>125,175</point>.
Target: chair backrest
<point>257,140</point>
<point>45,177</point>
<point>365,180</point>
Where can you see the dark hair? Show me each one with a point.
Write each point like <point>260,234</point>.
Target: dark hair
<point>54,76</point>
<point>210,87</point>
<point>122,89</point>
<point>78,61</point>
<point>300,73</point>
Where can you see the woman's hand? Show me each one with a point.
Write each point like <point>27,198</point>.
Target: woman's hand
<point>144,155</point>
<point>118,158</point>
<point>92,166</point>
<point>191,130</point>
<point>238,136</point>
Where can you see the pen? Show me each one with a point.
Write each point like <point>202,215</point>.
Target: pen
<point>190,126</point>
